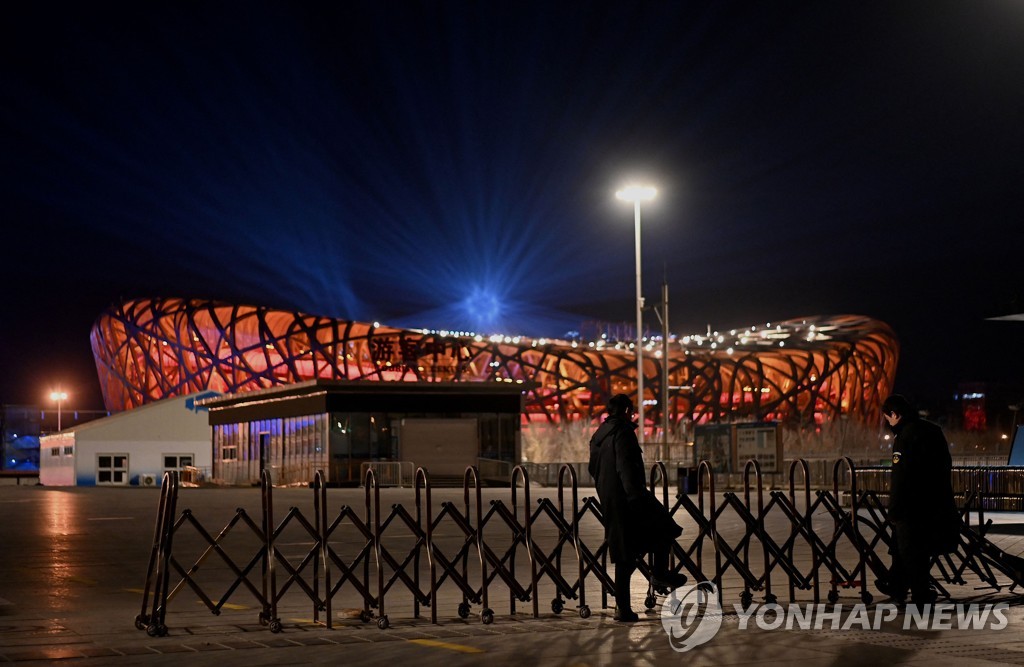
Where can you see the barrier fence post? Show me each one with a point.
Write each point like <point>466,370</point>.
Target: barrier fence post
<point>583,609</point>
<point>658,468</point>
<point>164,571</point>
<point>155,622</point>
<point>421,474</point>
<point>760,529</point>
<point>269,614</point>
<point>855,537</point>
<point>520,471</point>
<point>486,613</point>
<point>370,482</point>
<point>320,508</point>
<point>704,468</point>
<point>142,619</point>
<point>808,526</point>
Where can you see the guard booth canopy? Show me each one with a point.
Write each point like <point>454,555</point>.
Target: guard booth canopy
<point>337,426</point>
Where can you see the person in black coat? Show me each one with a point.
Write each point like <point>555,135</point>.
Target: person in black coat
<point>921,506</point>
<point>635,522</point>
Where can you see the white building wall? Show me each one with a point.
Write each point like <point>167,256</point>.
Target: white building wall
<point>57,459</point>
<point>143,437</point>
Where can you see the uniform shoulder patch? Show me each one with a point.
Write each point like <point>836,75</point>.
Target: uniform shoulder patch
<point>896,457</point>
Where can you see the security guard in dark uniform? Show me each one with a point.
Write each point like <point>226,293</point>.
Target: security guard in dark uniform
<point>921,505</point>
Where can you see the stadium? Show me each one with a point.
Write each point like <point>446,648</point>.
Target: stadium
<point>797,372</point>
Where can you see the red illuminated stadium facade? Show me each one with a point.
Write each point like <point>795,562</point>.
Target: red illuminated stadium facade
<point>796,372</point>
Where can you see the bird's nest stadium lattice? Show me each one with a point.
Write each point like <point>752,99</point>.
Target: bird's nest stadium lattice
<point>796,371</point>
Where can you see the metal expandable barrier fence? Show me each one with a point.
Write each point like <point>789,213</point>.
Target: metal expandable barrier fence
<point>842,542</point>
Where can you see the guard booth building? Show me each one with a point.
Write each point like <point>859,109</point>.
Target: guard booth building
<point>341,427</point>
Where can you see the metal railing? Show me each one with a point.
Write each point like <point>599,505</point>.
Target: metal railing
<point>998,487</point>
<point>389,473</point>
<point>494,469</point>
<point>549,474</point>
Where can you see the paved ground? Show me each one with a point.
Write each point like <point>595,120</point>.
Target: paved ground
<point>73,566</point>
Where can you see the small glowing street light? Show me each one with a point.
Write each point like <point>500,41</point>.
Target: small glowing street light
<point>638,194</point>
<point>58,396</point>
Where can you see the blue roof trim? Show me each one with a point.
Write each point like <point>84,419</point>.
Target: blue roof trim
<point>190,403</point>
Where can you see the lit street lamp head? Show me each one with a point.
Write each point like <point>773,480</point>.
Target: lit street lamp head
<point>58,396</point>
<point>636,193</point>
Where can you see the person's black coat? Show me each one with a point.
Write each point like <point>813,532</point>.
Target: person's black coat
<point>921,491</point>
<point>634,519</point>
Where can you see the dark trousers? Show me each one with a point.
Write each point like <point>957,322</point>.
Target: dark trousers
<point>911,562</point>
<point>624,572</point>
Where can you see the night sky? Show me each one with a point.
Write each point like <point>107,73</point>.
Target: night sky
<point>453,165</point>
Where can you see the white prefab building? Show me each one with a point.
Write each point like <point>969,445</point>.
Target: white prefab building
<point>130,448</point>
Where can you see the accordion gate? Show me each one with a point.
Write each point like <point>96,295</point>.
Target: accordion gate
<point>382,566</point>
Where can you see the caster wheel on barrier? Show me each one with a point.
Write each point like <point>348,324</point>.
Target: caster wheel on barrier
<point>383,623</point>
<point>584,612</point>
<point>770,598</point>
<point>365,616</point>
<point>463,610</point>
<point>141,622</point>
<point>264,618</point>
<point>833,596</point>
<point>557,605</point>
<point>156,630</point>
<point>487,616</point>
<point>745,599</point>
<point>275,626</point>
<point>650,601</point>
<point>866,597</point>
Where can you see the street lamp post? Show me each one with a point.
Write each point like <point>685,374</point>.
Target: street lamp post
<point>637,194</point>
<point>58,396</point>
